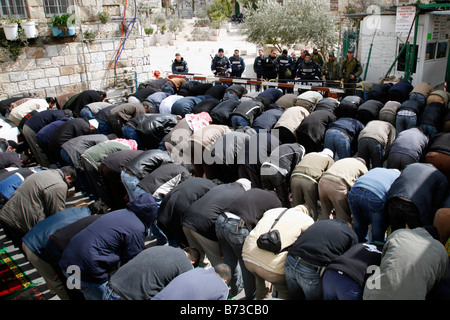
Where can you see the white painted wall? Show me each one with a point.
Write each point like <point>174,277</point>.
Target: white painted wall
<point>385,49</point>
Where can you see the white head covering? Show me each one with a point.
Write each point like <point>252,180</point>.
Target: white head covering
<point>94,123</point>
<point>245,183</point>
<point>328,152</point>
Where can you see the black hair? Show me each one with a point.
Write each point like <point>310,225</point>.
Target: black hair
<point>3,145</point>
<point>12,144</point>
<point>69,170</point>
<point>112,136</point>
<point>217,181</point>
<point>50,100</point>
<point>98,207</point>
<point>193,254</point>
<point>189,167</point>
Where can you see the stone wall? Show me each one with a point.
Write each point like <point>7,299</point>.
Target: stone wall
<point>53,69</point>
<point>50,66</point>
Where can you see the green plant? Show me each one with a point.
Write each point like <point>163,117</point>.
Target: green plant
<point>60,21</point>
<point>160,20</point>
<point>163,28</point>
<point>218,12</point>
<point>175,25</point>
<point>103,16</point>
<point>10,20</point>
<point>16,47</point>
<point>148,31</point>
<point>89,35</point>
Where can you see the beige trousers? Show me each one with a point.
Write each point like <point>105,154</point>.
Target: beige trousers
<point>210,252</point>
<point>334,195</point>
<point>305,192</point>
<point>47,272</point>
<point>261,276</point>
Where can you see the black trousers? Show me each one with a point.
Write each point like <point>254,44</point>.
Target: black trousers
<point>403,212</point>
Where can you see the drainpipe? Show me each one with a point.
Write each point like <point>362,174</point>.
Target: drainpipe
<point>410,64</point>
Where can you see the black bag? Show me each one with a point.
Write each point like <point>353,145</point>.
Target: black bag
<point>271,240</point>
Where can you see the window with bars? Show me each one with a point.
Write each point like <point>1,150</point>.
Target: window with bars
<point>53,7</point>
<point>14,8</point>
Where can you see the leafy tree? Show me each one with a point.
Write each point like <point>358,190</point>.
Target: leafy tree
<point>250,4</point>
<point>218,12</point>
<point>175,25</point>
<point>309,22</point>
<point>160,20</point>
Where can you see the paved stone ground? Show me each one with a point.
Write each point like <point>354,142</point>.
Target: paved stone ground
<point>198,54</point>
<point>22,260</point>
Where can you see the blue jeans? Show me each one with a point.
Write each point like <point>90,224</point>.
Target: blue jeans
<point>87,113</point>
<point>403,122</point>
<point>91,290</point>
<point>230,95</point>
<point>161,238</point>
<point>367,209</point>
<point>371,151</point>
<point>81,181</point>
<point>103,127</point>
<point>130,183</point>
<point>238,122</point>
<point>231,239</point>
<point>338,286</point>
<point>130,133</point>
<point>429,130</point>
<point>66,158</point>
<point>338,142</point>
<point>168,87</point>
<point>303,283</point>
<point>182,107</point>
<point>110,295</point>
<point>420,98</point>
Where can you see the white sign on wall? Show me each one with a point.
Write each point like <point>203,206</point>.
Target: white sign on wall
<point>439,27</point>
<point>404,20</point>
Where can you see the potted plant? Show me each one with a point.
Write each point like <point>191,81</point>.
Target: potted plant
<point>148,31</point>
<point>11,28</point>
<point>60,26</point>
<point>15,47</point>
<point>29,28</point>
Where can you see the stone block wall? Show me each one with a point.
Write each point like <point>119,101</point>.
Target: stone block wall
<point>58,68</point>
<point>50,66</point>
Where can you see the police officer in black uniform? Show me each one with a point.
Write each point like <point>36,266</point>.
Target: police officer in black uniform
<point>237,64</point>
<point>220,65</point>
<point>270,65</point>
<point>179,65</point>
<point>257,67</point>
<point>308,69</point>
<point>284,69</point>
